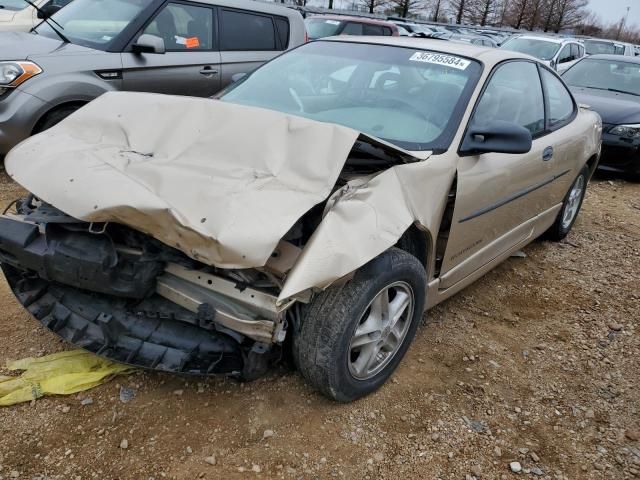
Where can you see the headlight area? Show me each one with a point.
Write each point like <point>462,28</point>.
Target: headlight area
<point>626,131</point>
<point>14,74</point>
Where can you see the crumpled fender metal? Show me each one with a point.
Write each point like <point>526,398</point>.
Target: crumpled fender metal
<point>221,182</point>
<point>368,216</point>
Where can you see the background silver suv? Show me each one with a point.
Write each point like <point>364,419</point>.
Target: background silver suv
<point>165,46</point>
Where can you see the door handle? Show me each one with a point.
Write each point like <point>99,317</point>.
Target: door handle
<point>208,71</point>
<point>547,154</point>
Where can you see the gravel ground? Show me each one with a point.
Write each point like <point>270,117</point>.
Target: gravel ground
<point>534,368</point>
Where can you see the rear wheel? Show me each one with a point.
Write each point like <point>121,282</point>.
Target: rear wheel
<point>570,207</point>
<point>355,335</point>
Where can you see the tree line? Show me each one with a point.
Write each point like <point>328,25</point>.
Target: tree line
<point>552,16</point>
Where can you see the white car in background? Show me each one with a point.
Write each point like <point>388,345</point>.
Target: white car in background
<point>595,46</point>
<point>557,53</point>
<point>19,16</point>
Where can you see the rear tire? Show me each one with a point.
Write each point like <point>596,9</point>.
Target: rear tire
<point>354,335</point>
<point>570,208</point>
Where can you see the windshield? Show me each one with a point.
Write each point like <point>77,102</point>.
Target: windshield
<point>411,98</point>
<point>94,23</point>
<point>602,74</point>
<point>13,5</point>
<point>541,49</point>
<point>593,47</point>
<point>322,27</point>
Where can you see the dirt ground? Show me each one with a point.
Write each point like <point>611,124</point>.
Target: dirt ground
<point>536,363</point>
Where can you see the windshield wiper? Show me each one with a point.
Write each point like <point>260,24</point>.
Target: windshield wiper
<point>50,21</point>
<point>610,90</point>
<point>623,91</point>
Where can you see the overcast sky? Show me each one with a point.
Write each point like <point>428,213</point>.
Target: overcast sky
<point>614,10</point>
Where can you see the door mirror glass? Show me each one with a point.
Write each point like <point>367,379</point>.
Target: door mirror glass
<point>148,44</point>
<point>236,77</point>
<point>497,137</point>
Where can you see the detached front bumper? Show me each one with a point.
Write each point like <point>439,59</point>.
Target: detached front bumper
<point>133,305</point>
<point>619,155</point>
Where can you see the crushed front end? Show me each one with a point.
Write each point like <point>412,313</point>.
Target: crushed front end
<point>124,295</point>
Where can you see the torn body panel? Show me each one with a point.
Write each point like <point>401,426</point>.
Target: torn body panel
<point>368,216</point>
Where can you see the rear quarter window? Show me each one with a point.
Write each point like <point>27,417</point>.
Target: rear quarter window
<point>561,108</point>
<point>372,30</point>
<point>282,25</point>
<point>247,31</point>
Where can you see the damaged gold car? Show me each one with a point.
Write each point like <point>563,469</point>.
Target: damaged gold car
<point>317,208</point>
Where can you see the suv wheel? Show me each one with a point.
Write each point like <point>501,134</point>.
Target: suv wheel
<point>54,117</point>
<point>355,335</point>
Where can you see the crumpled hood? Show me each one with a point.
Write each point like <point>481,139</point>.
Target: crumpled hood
<point>27,46</point>
<point>613,107</point>
<point>7,15</point>
<point>219,181</point>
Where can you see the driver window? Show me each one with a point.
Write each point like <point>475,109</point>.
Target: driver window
<point>183,27</point>
<point>513,94</point>
<point>575,51</point>
<point>565,54</point>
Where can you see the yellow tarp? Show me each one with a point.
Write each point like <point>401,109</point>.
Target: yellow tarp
<point>61,373</point>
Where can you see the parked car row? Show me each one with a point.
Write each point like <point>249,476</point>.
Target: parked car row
<point>91,47</point>
<point>315,207</point>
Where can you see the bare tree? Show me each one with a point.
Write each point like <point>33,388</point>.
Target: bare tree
<point>405,7</point>
<point>517,12</point>
<point>570,12</point>
<point>535,6</point>
<point>484,10</point>
<point>436,10</point>
<point>371,5</point>
<point>461,9</point>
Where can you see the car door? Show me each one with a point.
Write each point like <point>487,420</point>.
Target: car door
<point>574,56</point>
<point>563,58</point>
<point>249,39</point>
<point>498,193</point>
<point>567,155</point>
<point>191,64</point>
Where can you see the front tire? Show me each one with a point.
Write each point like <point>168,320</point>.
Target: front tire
<point>354,335</point>
<point>570,207</point>
<point>52,118</point>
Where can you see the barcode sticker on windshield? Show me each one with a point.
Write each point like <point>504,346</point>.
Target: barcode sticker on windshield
<point>440,59</point>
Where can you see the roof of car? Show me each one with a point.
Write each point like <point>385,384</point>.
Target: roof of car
<point>256,6</point>
<point>372,21</point>
<point>487,55</point>
<point>617,58</point>
<point>548,39</point>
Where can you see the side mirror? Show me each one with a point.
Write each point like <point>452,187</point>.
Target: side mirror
<point>497,137</point>
<point>236,77</point>
<point>148,44</point>
<point>48,10</point>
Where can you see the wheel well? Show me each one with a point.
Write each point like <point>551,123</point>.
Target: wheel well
<point>38,126</point>
<point>416,242</point>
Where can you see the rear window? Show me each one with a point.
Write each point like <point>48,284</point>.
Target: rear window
<point>283,31</point>
<point>595,47</point>
<point>247,31</point>
<point>322,27</point>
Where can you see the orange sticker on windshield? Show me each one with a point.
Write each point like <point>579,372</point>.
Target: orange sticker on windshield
<point>192,42</point>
